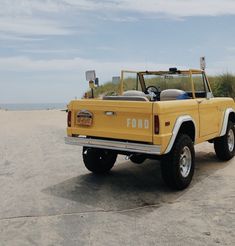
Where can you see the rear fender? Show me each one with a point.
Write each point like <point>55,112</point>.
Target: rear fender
<point>180,120</point>
<point>227,113</point>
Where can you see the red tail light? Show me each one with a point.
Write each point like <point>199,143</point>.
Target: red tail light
<point>156,124</point>
<point>69,119</point>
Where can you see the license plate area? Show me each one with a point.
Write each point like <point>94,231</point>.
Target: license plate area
<point>84,121</point>
<point>84,118</point>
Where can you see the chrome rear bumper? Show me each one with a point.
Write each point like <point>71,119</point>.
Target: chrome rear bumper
<point>114,145</point>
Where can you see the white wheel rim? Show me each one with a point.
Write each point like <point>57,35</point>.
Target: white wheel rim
<point>230,140</point>
<point>185,162</point>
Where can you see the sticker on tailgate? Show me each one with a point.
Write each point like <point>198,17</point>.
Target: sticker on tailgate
<point>84,118</point>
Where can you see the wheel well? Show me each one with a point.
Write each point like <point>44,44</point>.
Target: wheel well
<point>188,128</point>
<point>232,117</point>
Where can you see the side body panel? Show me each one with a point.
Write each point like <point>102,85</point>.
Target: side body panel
<point>212,117</point>
<point>207,115</point>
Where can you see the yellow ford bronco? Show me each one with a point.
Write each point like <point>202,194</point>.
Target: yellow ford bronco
<point>162,117</point>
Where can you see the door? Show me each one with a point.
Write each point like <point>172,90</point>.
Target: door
<point>207,106</point>
<point>208,116</point>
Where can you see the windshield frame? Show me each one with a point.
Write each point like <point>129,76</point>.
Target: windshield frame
<point>140,75</point>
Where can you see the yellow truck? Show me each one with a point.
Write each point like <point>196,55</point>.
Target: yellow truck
<point>162,117</point>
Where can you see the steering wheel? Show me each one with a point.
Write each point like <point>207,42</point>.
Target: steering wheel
<point>154,92</point>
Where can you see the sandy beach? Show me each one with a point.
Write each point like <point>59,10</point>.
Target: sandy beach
<point>47,197</point>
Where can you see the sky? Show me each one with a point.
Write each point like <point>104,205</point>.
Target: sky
<point>47,45</point>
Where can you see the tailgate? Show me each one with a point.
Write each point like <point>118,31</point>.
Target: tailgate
<point>124,120</point>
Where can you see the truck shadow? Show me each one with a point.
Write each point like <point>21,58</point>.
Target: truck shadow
<point>129,186</point>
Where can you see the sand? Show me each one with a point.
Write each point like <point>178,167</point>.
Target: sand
<point>47,197</point>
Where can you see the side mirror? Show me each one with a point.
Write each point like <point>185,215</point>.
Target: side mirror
<point>90,75</point>
<point>116,79</point>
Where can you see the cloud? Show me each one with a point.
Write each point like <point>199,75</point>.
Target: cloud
<point>51,51</point>
<point>14,37</point>
<point>181,8</point>
<point>26,18</point>
<point>29,7</point>
<point>43,17</point>
<point>32,26</point>
<point>175,8</point>
<point>105,70</point>
<point>79,65</point>
<point>230,49</point>
<point>21,63</point>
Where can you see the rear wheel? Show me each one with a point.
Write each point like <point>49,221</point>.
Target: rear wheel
<point>224,146</point>
<point>178,166</point>
<point>98,160</point>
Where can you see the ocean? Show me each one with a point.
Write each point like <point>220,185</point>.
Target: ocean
<point>32,106</point>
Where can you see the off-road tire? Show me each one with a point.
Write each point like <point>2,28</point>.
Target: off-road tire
<point>98,161</point>
<point>174,164</point>
<point>224,146</point>
<point>137,159</point>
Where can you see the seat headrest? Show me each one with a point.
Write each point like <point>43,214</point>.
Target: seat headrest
<point>172,94</point>
<point>134,93</point>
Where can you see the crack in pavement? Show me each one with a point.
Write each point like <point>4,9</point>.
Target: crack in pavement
<point>83,212</point>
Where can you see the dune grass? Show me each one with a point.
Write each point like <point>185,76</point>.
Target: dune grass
<point>223,85</point>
